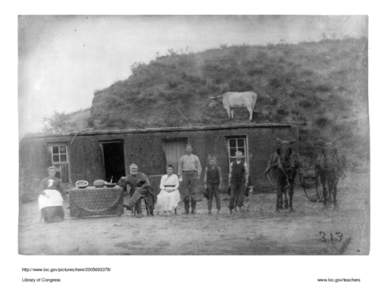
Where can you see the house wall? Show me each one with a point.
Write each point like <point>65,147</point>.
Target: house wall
<point>33,162</point>
<point>146,149</point>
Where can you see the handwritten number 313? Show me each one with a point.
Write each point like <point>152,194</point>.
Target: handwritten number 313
<point>329,236</point>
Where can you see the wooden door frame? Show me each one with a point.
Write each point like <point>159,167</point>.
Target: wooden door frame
<point>113,141</point>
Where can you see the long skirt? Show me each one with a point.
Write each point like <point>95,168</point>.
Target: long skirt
<point>167,201</point>
<point>52,214</point>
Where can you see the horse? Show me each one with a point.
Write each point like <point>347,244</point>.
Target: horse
<point>284,166</point>
<point>329,169</point>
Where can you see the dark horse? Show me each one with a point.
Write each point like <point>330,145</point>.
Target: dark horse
<point>329,169</point>
<point>284,167</point>
<point>291,166</point>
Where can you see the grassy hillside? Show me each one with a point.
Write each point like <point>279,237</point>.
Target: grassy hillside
<point>321,83</point>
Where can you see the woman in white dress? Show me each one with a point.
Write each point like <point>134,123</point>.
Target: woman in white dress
<point>169,197</point>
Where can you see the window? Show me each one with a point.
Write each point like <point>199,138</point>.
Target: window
<point>60,159</point>
<point>237,143</point>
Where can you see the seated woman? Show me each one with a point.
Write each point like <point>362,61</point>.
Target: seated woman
<point>169,197</point>
<point>50,197</point>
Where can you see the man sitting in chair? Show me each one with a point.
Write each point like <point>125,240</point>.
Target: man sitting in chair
<point>136,186</point>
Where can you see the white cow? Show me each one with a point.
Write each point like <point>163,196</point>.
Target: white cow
<point>232,100</point>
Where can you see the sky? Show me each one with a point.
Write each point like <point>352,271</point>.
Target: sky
<point>64,59</point>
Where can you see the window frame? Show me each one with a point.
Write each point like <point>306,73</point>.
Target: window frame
<point>58,164</point>
<point>236,147</point>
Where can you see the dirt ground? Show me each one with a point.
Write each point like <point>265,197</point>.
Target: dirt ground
<point>258,231</point>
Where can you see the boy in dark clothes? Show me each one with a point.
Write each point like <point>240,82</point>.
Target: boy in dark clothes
<point>213,181</point>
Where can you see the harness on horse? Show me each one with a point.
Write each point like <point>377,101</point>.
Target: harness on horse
<point>278,166</point>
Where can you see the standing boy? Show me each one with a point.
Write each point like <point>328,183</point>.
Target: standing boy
<point>213,179</point>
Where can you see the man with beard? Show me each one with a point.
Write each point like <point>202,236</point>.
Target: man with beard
<point>136,186</point>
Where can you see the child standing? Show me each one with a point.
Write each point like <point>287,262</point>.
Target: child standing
<point>213,181</point>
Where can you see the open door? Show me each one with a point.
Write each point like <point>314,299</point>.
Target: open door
<point>113,153</point>
<point>174,149</point>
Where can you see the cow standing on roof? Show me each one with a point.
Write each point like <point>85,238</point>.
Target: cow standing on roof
<point>232,100</point>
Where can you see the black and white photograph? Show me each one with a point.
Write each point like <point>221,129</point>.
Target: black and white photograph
<point>193,135</point>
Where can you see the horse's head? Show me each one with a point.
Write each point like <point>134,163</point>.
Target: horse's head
<point>284,147</point>
<point>285,143</point>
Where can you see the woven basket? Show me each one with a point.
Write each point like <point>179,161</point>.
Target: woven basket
<point>99,183</point>
<point>81,184</point>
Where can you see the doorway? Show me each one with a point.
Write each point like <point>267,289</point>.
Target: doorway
<point>113,153</point>
<point>174,149</point>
